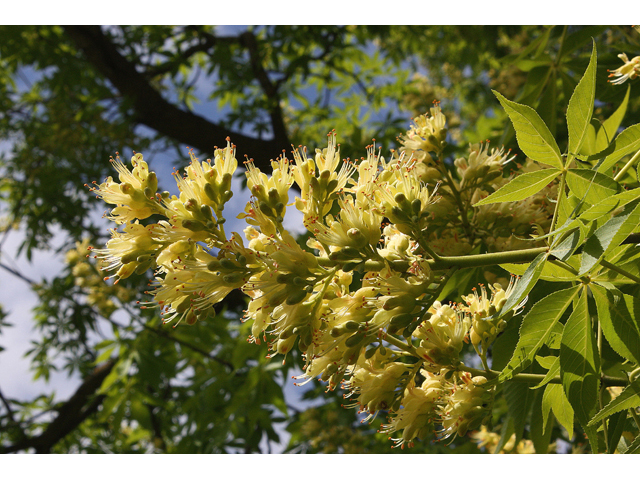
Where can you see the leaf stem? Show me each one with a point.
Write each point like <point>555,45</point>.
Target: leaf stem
<point>602,387</point>
<point>401,345</point>
<point>444,263</point>
<point>626,167</point>
<point>619,270</point>
<point>561,189</point>
<point>564,266</point>
<point>537,378</point>
<point>486,259</point>
<point>456,195</point>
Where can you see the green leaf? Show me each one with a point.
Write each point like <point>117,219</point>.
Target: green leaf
<point>609,236</point>
<point>534,137</point>
<point>616,426</point>
<point>588,146</point>
<point>521,187</point>
<point>540,429</point>
<point>578,39</point>
<point>536,327</point>
<point>120,371</point>
<point>507,431</point>
<point>525,284</point>
<point>635,446</point>
<point>519,398</point>
<point>105,355</point>
<point>580,366</point>
<point>554,371</point>
<point>627,143</point>
<point>629,398</point>
<point>565,249</point>
<point>608,205</point>
<point>555,400</point>
<point>548,106</point>
<point>546,362</point>
<point>580,107</point>
<point>610,126</point>
<point>618,315</point>
<point>591,186</point>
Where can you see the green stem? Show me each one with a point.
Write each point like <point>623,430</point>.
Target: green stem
<point>627,166</point>
<point>537,378</point>
<point>561,189</point>
<point>458,199</point>
<point>564,266</point>
<point>428,249</point>
<point>619,270</point>
<point>401,345</point>
<point>602,388</point>
<point>444,263</point>
<point>634,374</point>
<point>486,259</point>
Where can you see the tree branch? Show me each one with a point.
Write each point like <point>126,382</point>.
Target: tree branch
<point>157,113</point>
<point>268,87</point>
<point>70,414</point>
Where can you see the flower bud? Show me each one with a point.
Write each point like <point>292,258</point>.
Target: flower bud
<point>296,297</point>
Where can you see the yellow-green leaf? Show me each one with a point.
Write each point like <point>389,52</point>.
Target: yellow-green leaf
<point>556,401</point>
<point>580,106</point>
<point>580,366</point>
<point>521,187</point>
<point>629,398</point>
<point>617,315</point>
<point>536,327</point>
<point>533,135</point>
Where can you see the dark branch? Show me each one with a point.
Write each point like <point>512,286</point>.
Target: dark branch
<point>268,87</point>
<point>206,43</point>
<point>157,113</point>
<point>71,414</point>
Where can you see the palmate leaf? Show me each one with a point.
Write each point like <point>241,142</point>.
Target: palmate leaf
<point>536,327</point>
<point>580,106</point>
<point>565,249</point>
<point>533,135</point>
<point>635,446</point>
<point>618,314</point>
<point>554,370</point>
<point>555,400</point>
<point>629,398</point>
<point>580,367</point>
<point>610,126</point>
<point>525,284</point>
<point>519,398</point>
<point>591,186</point>
<point>540,430</point>
<point>521,187</point>
<point>550,272</point>
<point>608,205</point>
<point>616,426</point>
<point>609,236</point>
<point>627,143</point>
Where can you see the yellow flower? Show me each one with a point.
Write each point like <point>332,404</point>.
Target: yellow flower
<point>628,71</point>
<point>135,195</point>
<point>375,387</point>
<point>442,334</point>
<point>427,135</point>
<point>419,413</point>
<point>133,250</point>
<point>466,406</point>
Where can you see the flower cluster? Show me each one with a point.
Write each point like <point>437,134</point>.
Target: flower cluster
<point>360,301</point>
<point>100,295</point>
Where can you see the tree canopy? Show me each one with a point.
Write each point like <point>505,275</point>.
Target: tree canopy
<point>71,97</point>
